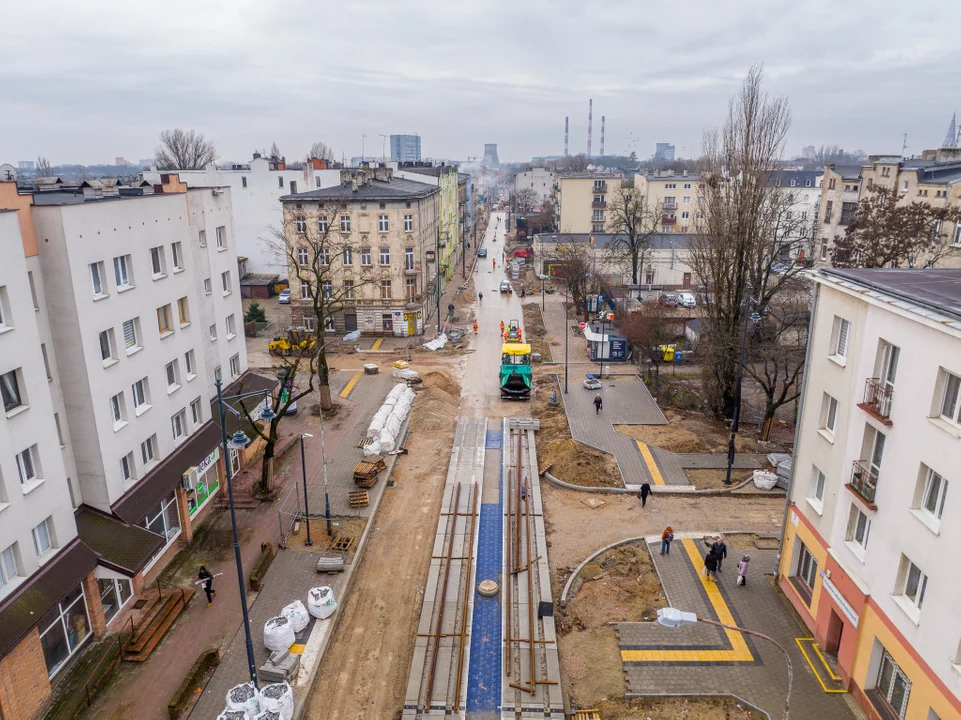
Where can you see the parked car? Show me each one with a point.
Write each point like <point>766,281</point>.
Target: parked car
<point>592,383</point>
<point>505,286</point>
<point>481,252</point>
<point>668,299</point>
<point>284,297</point>
<point>686,300</point>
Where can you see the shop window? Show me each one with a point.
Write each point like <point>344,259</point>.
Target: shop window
<point>164,520</point>
<point>63,629</point>
<point>114,594</point>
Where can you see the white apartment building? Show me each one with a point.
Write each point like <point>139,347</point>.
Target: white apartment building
<point>256,188</point>
<point>866,556</point>
<point>540,180</point>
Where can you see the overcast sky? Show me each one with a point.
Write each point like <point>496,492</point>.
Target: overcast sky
<point>85,82</point>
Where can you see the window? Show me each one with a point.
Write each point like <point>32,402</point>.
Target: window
<point>950,404</point>
<point>685,215</point>
<point>10,390</point>
<point>148,450</point>
<point>243,181</point>
<point>163,320</point>
<point>305,293</point>
<point>114,594</point>
<point>385,256</point>
<point>131,335</point>
<point>348,289</point>
<point>849,212</point>
<point>122,271</point>
<point>213,332</point>
<point>348,257</point>
<point>892,687</point>
<point>408,223</point>
<point>327,289</point>
<point>597,216</point>
<point>118,411</point>
<point>828,210</point>
<point>904,186</point>
<point>197,411</point>
<point>322,223</point>
<point>280,181</point>
<point>202,236</point>
<point>839,338</point>
<point>385,289</point>
<point>302,256</point>
<point>687,200</point>
<point>164,519</point>
<point>96,279</point>
<point>221,237</point>
<point>807,567</point>
<point>46,361</point>
<point>382,223</point>
<point>42,540</point>
<point>235,365</point>
<point>27,466</point>
<point>934,490</point>
<point>324,256</point>
<point>317,181</point>
<point>178,426</point>
<point>231,327</point>
<point>172,372</point>
<point>9,572</point>
<point>158,262</point>
<point>225,281</point>
<point>818,481</point>
<point>63,629</point>
<point>859,526</point>
<point>140,391</point>
<point>190,364</point>
<point>829,414</point>
<point>365,256</point>
<point>408,258</point>
<point>218,376</point>
<point>108,349</point>
<point>6,319</point>
<point>127,471</point>
<point>56,421</point>
<point>309,323</point>
<point>177,255</point>
<point>345,223</point>
<point>33,291</point>
<point>411,290</point>
<point>207,288</point>
<point>182,312</point>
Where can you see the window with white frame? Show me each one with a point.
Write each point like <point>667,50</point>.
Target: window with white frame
<point>172,372</point>
<point>43,539</point>
<point>303,257</point>
<point>322,223</point>
<point>408,223</point>
<point>213,332</point>
<point>347,257</point>
<point>148,451</point>
<point>365,256</point>
<point>28,468</point>
<point>127,469</point>
<point>327,289</point>
<point>235,365</point>
<point>190,364</point>
<point>63,629</point>
<point>158,262</point>
<point>818,481</point>
<point>118,411</point>
<point>114,594</point>
<point>382,223</point>
<point>221,237</point>
<point>309,323</point>
<point>207,286</point>
<point>202,236</point>
<point>829,414</point>
<point>140,391</point>
<point>231,327</point>
<point>324,255</point>
<point>163,320</point>
<point>10,575</point>
<point>108,347</point>
<point>950,402</point>
<point>912,584</point>
<point>892,686</point>
<point>197,411</point>
<point>10,389</point>
<point>930,493</point>
<point>123,271</point>
<point>839,338</point>
<point>385,290</point>
<point>345,223</point>
<point>807,567</point>
<point>6,319</point>
<point>131,335</point>
<point>348,290</point>
<point>97,279</point>
<point>178,426</point>
<point>225,281</point>
<point>183,312</point>
<point>859,527</point>
<point>301,225</point>
<point>408,258</point>
<point>305,293</point>
<point>385,256</point>
<point>163,519</point>
<point>177,256</point>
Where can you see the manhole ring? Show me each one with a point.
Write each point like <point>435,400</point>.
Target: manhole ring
<point>488,588</point>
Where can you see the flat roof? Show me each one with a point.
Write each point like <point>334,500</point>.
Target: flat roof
<point>931,290</point>
<point>396,189</point>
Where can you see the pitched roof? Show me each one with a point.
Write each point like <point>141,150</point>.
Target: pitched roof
<point>125,548</point>
<point>396,189</point>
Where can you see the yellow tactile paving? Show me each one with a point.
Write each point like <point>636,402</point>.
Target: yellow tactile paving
<point>296,649</point>
<point>651,464</point>
<point>350,384</point>
<point>377,343</point>
<point>739,651</point>
<point>801,642</point>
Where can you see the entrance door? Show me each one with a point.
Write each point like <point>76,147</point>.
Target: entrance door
<point>411,323</point>
<point>833,639</point>
<point>687,280</point>
<point>388,322</point>
<point>350,323</point>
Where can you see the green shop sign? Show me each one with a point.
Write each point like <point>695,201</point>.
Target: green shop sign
<point>196,482</point>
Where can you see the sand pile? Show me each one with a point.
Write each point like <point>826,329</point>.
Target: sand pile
<point>436,405</point>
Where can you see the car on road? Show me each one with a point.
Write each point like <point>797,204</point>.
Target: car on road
<point>505,286</point>
<point>592,383</point>
<point>686,300</point>
<point>668,299</point>
<point>481,252</point>
<point>284,297</point>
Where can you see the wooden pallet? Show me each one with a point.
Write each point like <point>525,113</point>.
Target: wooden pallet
<point>359,498</point>
<point>365,442</point>
<point>587,715</point>
<point>342,544</point>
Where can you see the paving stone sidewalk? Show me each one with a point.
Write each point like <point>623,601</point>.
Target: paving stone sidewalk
<point>714,661</point>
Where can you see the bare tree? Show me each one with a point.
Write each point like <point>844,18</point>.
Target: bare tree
<point>274,150</point>
<point>322,260</point>
<point>525,200</point>
<point>647,330</point>
<point>573,163</point>
<point>321,151</point>
<point>633,224</point>
<point>749,234</point>
<point>888,233</point>
<point>184,150</point>
<point>544,219</point>
<point>573,262</point>
<point>44,168</point>
<point>834,155</point>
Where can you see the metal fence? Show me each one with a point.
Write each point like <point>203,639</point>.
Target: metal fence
<point>289,513</point>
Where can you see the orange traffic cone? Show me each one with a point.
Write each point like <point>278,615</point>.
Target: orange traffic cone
<point>475,327</point>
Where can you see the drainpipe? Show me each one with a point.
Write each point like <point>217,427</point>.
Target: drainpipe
<point>797,426</point>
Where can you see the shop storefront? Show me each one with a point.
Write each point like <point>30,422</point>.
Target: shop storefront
<point>202,482</point>
<point>164,520</point>
<point>63,629</point>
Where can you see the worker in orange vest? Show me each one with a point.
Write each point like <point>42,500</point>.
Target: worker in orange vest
<point>495,264</point>
<point>520,335</point>
<point>475,327</point>
<point>502,327</point>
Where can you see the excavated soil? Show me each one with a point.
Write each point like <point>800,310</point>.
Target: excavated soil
<point>689,432</point>
<point>676,708</point>
<point>438,400</point>
<point>536,332</point>
<point>714,479</point>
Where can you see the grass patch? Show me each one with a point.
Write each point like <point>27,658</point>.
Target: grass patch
<point>713,479</point>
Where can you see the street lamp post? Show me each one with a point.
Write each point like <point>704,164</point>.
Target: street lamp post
<point>323,460</point>
<point>567,327</point>
<point>303,467</point>
<point>737,392</point>
<point>672,618</point>
<point>239,440</point>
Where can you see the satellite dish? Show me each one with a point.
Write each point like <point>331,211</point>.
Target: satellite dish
<point>8,173</point>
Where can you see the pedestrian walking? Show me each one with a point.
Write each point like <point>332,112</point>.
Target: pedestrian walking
<point>742,570</point>
<point>205,574</point>
<point>710,565</point>
<point>495,263</point>
<point>598,404</point>
<point>645,491</point>
<point>719,548</point>
<point>523,292</point>
<point>667,537</point>
<point>480,297</point>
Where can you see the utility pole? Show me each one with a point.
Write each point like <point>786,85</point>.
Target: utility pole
<point>567,328</point>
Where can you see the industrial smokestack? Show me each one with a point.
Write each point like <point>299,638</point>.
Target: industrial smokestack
<point>566,134</point>
<point>590,123</point>
<point>602,134</point>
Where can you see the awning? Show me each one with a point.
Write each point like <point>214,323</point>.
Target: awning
<point>121,546</point>
<point>24,607</point>
<point>160,481</point>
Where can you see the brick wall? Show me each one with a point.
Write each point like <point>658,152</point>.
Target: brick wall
<point>94,608</point>
<point>24,687</point>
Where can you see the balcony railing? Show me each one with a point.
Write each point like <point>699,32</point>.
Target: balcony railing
<point>599,204</point>
<point>877,400</point>
<point>670,204</point>
<point>669,220</point>
<point>864,483</point>
<point>600,187</point>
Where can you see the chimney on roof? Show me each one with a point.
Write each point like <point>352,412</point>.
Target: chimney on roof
<point>256,155</point>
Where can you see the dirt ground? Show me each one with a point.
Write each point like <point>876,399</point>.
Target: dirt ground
<point>364,671</point>
<point>536,332</point>
<point>690,432</point>
<point>677,708</point>
<point>567,459</point>
<point>714,479</point>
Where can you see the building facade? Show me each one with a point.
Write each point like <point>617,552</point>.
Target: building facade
<point>869,524</point>
<point>676,196</point>
<point>382,238</point>
<point>801,194</point>
<point>540,180</point>
<point>405,148</point>
<point>451,199</point>
<point>664,152</point>
<point>581,201</point>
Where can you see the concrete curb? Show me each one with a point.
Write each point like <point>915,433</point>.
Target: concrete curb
<point>661,489</point>
<point>301,704</point>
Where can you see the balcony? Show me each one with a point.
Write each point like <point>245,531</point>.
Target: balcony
<point>669,220</point>
<point>600,204</point>
<point>670,205</point>
<point>600,187</point>
<point>877,400</point>
<point>864,484</point>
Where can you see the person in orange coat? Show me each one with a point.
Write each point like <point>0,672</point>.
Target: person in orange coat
<point>475,327</point>
<point>502,327</point>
